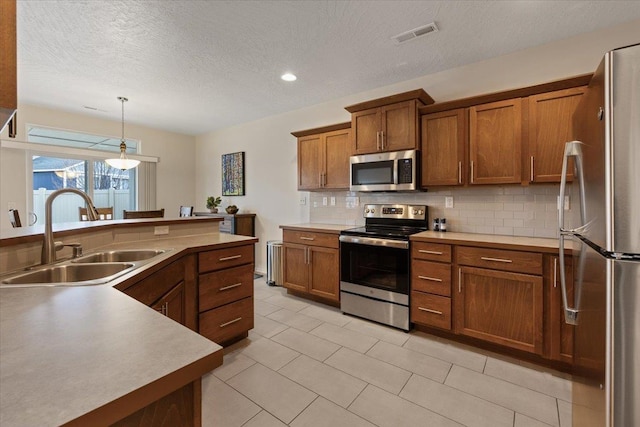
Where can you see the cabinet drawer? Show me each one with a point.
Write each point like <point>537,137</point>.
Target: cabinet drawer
<point>498,259</point>
<point>226,322</point>
<point>431,310</point>
<point>432,277</point>
<point>225,286</point>
<point>431,251</point>
<point>311,238</point>
<point>225,258</point>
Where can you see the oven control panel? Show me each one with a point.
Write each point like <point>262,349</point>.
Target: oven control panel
<point>395,211</point>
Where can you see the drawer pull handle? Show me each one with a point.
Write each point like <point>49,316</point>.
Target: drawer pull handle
<point>228,258</point>
<point>428,310</point>
<point>224,288</point>
<point>307,238</point>
<point>433,279</point>
<point>486,258</point>
<point>230,322</point>
<point>424,251</point>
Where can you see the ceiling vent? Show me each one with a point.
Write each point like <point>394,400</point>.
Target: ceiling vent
<point>415,33</point>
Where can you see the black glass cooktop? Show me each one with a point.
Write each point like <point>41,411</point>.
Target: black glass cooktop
<point>381,231</point>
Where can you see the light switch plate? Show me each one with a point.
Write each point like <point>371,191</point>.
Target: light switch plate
<point>324,201</point>
<point>333,201</point>
<point>567,205</point>
<point>303,200</point>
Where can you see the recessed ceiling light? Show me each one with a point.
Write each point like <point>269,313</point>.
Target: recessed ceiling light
<point>288,77</point>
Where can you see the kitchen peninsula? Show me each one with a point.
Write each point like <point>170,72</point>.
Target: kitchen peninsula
<point>92,355</point>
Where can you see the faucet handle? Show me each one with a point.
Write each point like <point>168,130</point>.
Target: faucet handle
<point>77,248</point>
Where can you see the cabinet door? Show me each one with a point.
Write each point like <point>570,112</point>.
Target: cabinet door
<point>324,273</point>
<point>495,142</point>
<point>443,143</point>
<point>336,155</point>
<point>399,123</point>
<point>175,410</point>
<point>296,267</point>
<point>550,126</point>
<point>309,162</point>
<point>172,304</point>
<point>365,126</point>
<point>560,334</point>
<point>500,307</point>
<point>8,83</point>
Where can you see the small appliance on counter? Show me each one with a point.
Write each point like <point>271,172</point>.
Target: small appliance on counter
<point>375,263</point>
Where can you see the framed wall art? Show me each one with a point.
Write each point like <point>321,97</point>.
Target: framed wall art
<point>233,174</point>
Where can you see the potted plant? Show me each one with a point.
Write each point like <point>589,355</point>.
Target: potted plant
<point>212,203</point>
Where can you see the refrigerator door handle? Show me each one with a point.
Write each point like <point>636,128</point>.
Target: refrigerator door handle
<point>572,149</point>
<point>570,314</point>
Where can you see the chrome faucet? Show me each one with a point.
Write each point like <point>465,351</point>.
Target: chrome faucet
<point>48,246</point>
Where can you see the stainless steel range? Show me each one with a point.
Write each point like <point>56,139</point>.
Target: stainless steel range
<point>375,263</point>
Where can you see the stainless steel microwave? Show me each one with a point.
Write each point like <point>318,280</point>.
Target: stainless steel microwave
<point>394,171</point>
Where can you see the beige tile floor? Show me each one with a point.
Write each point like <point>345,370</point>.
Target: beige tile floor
<point>307,364</point>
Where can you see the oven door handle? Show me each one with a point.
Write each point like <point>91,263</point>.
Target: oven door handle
<point>372,241</point>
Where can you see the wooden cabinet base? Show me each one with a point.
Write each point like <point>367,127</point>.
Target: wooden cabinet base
<point>175,409</point>
<point>224,323</point>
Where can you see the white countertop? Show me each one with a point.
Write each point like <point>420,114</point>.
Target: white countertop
<point>69,350</point>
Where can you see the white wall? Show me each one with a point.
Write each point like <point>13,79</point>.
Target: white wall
<point>271,149</point>
<point>175,171</point>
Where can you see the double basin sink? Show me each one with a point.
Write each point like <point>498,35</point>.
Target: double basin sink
<point>92,269</point>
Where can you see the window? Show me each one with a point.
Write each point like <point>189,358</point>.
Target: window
<point>107,186</point>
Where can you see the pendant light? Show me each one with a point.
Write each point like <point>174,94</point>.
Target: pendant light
<point>122,162</point>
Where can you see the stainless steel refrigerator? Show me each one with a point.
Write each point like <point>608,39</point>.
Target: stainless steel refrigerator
<point>603,302</point>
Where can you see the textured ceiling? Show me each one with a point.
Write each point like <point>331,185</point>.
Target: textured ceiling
<point>196,66</point>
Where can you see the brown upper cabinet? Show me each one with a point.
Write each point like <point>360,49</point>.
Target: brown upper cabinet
<point>550,126</point>
<point>387,124</point>
<point>443,145</point>
<point>510,137</point>
<point>8,82</point>
<point>495,142</point>
<point>323,157</point>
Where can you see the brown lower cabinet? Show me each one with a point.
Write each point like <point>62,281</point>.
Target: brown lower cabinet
<point>560,342</point>
<point>312,264</point>
<point>500,307</point>
<point>170,291</point>
<point>509,299</point>
<point>225,303</point>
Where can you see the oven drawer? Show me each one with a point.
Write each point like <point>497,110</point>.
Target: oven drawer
<point>499,259</point>
<point>431,251</point>
<point>223,258</point>
<point>226,322</point>
<point>431,310</point>
<point>432,277</point>
<point>311,238</point>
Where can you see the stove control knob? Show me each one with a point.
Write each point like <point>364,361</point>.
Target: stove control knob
<point>420,212</point>
<point>373,211</point>
<point>366,210</point>
<point>415,211</point>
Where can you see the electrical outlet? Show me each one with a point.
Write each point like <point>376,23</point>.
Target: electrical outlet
<point>333,201</point>
<point>303,200</point>
<point>160,230</point>
<point>324,201</point>
<point>567,205</point>
<point>448,202</point>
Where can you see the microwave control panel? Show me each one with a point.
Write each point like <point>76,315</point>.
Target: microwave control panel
<point>405,171</point>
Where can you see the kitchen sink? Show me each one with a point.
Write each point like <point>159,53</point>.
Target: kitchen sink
<point>70,275</point>
<point>120,256</point>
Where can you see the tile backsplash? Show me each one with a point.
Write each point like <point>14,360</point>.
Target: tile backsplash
<point>507,210</point>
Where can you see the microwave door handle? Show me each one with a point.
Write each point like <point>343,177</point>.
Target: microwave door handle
<point>570,313</point>
<point>572,149</point>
